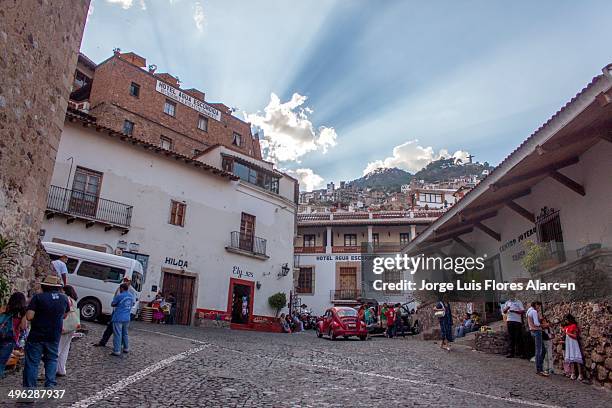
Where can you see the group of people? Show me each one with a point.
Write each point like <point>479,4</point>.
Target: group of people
<point>291,323</point>
<point>43,328</point>
<point>470,323</point>
<point>543,333</point>
<point>164,308</point>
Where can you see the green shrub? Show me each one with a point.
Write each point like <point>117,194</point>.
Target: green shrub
<point>534,256</point>
<point>277,301</point>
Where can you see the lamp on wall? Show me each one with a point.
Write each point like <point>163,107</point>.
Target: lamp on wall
<point>258,285</point>
<point>122,245</point>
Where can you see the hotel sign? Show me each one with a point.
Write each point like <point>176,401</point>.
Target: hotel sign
<point>187,100</point>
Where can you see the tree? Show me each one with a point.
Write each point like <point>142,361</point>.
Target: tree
<point>277,301</point>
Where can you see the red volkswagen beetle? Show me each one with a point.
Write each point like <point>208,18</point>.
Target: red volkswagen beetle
<point>341,321</point>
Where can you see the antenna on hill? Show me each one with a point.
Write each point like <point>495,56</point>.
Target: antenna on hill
<point>470,157</point>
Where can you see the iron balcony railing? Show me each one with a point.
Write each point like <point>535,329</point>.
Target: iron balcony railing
<point>89,206</point>
<point>345,294</point>
<point>249,243</point>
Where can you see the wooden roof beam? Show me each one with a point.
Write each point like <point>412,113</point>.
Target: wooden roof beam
<point>495,235</point>
<point>453,234</point>
<point>535,173</point>
<point>568,182</point>
<point>521,211</point>
<point>493,203</point>
<point>465,245</point>
<point>468,221</point>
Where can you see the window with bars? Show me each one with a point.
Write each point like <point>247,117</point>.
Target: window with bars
<point>350,239</point>
<point>170,108</point>
<point>177,213</point>
<point>310,240</point>
<point>306,281</point>
<point>548,225</point>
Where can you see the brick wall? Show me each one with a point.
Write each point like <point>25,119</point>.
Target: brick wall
<point>112,103</point>
<point>39,42</point>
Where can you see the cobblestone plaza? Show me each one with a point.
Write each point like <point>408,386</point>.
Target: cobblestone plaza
<point>201,367</point>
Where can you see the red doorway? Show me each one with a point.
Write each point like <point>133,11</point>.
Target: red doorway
<point>240,302</point>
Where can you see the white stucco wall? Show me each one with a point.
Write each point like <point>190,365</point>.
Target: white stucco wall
<point>584,220</point>
<point>148,181</point>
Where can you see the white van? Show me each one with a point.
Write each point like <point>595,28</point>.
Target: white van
<point>96,276</point>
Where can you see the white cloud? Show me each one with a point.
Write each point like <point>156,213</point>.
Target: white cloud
<point>198,16</point>
<point>125,4</point>
<point>288,134</point>
<point>307,178</point>
<point>412,157</point>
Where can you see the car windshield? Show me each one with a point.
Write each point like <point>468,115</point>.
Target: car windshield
<point>346,312</point>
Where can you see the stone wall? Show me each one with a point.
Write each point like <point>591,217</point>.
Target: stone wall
<point>39,43</point>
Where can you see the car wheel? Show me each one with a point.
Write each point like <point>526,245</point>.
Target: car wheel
<point>90,309</point>
<point>319,334</point>
<point>332,334</point>
<point>363,338</point>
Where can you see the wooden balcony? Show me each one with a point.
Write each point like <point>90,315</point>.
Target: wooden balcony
<point>310,250</point>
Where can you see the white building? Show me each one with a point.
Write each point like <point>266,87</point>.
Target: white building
<point>217,230</point>
<point>554,190</point>
<point>330,248</point>
<point>433,197</point>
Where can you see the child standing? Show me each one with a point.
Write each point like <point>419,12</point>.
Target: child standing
<point>573,355</point>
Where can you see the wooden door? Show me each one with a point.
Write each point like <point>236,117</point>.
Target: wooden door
<point>247,231</point>
<point>85,192</point>
<point>182,287</point>
<point>348,283</point>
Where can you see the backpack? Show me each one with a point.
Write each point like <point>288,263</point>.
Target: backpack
<point>6,328</point>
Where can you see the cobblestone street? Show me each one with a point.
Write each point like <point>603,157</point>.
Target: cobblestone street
<point>188,367</point>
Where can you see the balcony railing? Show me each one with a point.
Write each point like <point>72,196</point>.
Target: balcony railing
<point>88,206</point>
<point>345,295</point>
<point>346,249</point>
<point>248,243</point>
<point>310,250</point>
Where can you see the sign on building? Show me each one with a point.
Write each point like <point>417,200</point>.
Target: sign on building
<point>187,100</point>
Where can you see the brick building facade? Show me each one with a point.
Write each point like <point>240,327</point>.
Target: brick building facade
<point>36,66</point>
<point>130,97</point>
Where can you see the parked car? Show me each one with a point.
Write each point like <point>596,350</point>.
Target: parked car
<point>96,276</point>
<point>341,321</point>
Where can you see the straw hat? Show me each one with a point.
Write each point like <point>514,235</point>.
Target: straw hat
<point>52,281</point>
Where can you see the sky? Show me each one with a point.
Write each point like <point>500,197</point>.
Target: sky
<point>338,88</point>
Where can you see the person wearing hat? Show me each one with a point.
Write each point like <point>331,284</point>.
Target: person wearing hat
<point>61,270</point>
<point>46,313</point>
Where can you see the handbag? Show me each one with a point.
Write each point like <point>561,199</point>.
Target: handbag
<point>72,321</point>
<point>440,313</point>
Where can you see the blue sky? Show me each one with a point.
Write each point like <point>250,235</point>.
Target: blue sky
<point>340,87</point>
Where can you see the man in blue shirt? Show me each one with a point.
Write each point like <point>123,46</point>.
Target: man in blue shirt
<point>122,303</point>
<point>46,311</point>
